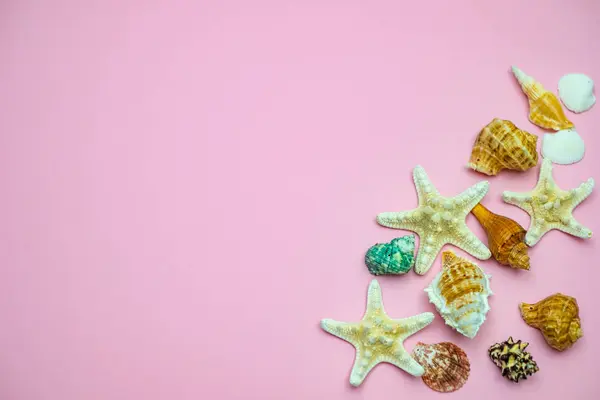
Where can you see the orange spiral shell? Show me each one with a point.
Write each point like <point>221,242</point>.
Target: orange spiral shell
<point>506,238</point>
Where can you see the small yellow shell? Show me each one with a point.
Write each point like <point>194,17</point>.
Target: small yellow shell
<point>557,317</point>
<point>501,145</point>
<point>545,109</point>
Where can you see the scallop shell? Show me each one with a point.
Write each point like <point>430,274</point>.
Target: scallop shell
<point>563,147</point>
<point>545,110</point>
<point>460,293</point>
<point>506,238</point>
<point>557,317</point>
<point>576,91</point>
<point>501,145</point>
<point>394,258</point>
<point>446,365</point>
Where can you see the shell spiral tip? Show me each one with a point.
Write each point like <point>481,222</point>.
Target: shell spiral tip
<point>518,257</point>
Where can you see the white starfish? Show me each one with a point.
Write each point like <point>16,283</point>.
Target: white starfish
<point>378,338</point>
<point>550,207</point>
<point>439,220</point>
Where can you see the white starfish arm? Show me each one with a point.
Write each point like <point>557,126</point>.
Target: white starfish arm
<point>359,371</point>
<point>472,245</point>
<point>536,230</point>
<point>403,360</point>
<point>398,220</point>
<point>415,323</point>
<point>582,192</point>
<point>545,178</point>
<point>344,330</point>
<point>374,297</point>
<point>521,200</point>
<point>423,184</point>
<point>429,247</point>
<point>573,227</point>
<point>473,195</point>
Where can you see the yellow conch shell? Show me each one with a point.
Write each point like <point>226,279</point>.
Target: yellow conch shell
<point>501,145</point>
<point>557,317</point>
<point>545,109</point>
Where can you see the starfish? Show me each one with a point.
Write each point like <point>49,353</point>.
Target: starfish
<point>550,207</point>
<point>378,338</point>
<point>439,220</point>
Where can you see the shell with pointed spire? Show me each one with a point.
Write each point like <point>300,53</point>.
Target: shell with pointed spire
<point>557,317</point>
<point>460,294</point>
<point>446,365</point>
<point>545,109</point>
<point>506,238</point>
<point>501,145</point>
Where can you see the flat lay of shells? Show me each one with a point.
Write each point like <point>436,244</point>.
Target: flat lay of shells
<point>460,291</point>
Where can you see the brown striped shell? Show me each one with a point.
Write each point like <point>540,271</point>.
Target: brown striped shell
<point>506,238</point>
<point>501,145</point>
<point>446,365</point>
<point>557,317</point>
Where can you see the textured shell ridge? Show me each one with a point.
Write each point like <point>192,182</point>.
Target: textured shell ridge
<point>446,365</point>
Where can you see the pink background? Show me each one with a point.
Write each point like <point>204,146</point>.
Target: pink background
<point>189,187</point>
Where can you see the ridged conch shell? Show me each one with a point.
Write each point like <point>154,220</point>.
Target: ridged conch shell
<point>544,107</point>
<point>446,365</point>
<point>460,293</point>
<point>394,258</point>
<point>563,147</point>
<point>506,238</point>
<point>557,317</point>
<point>501,145</point>
<point>512,359</point>
<point>576,91</point>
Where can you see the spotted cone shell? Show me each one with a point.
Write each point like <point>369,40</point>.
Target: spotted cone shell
<point>506,238</point>
<point>501,145</point>
<point>460,293</point>
<point>446,365</point>
<point>557,317</point>
<point>545,109</point>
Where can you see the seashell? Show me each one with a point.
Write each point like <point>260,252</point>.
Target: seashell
<point>545,110</point>
<point>576,91</point>
<point>557,317</point>
<point>563,147</point>
<point>501,145</point>
<point>506,238</point>
<point>460,293</point>
<point>394,258</point>
<point>512,359</point>
<point>446,365</point>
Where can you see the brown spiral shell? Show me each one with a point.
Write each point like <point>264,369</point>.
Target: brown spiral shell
<point>506,238</point>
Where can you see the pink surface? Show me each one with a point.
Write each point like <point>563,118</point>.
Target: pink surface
<point>189,187</point>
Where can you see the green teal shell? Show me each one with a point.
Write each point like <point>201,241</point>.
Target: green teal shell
<point>394,258</point>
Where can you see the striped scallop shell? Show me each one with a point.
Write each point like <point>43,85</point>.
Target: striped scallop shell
<point>460,293</point>
<point>446,365</point>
